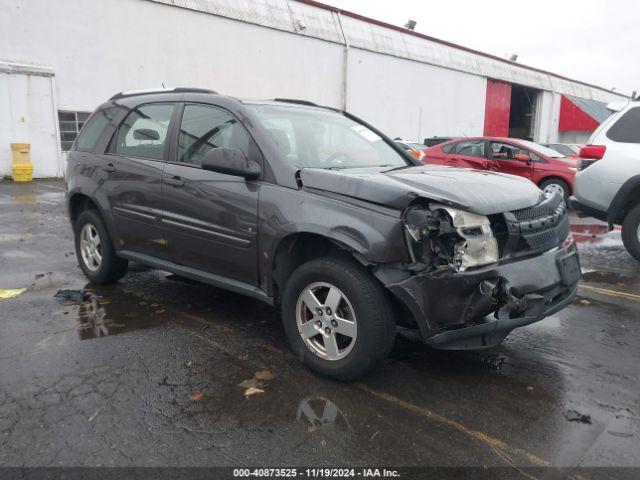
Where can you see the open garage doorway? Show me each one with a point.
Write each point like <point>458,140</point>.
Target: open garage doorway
<point>523,112</point>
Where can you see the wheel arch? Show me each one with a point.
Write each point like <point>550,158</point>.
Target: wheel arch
<point>300,247</point>
<point>556,177</point>
<point>628,195</point>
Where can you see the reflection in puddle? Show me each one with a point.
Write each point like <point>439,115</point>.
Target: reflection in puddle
<point>119,312</point>
<point>319,412</point>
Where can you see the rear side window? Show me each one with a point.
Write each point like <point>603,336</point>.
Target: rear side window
<point>92,131</point>
<point>448,148</point>
<point>205,127</point>
<point>143,133</point>
<point>470,148</point>
<point>627,128</point>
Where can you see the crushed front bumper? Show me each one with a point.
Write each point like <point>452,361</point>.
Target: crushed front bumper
<point>478,309</point>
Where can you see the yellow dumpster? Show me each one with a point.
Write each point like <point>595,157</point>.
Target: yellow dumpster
<point>21,169</point>
<point>22,172</point>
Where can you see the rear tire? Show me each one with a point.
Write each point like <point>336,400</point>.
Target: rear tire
<point>631,232</point>
<point>555,184</point>
<point>95,252</point>
<point>360,297</point>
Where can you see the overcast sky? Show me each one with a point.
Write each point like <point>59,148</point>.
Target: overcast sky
<point>595,41</point>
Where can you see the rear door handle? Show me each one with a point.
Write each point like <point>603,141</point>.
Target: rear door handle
<point>175,181</point>
<point>109,168</point>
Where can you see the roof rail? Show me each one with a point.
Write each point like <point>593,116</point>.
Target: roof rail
<point>295,100</point>
<point>132,93</point>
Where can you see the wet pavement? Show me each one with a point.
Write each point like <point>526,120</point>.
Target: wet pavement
<point>159,371</point>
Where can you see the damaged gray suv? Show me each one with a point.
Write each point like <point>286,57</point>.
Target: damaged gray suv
<point>312,210</point>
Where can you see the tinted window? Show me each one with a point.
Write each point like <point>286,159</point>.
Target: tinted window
<point>472,148</point>
<point>70,123</point>
<point>627,128</point>
<point>448,148</point>
<point>144,131</point>
<point>506,151</point>
<point>205,127</point>
<point>563,149</point>
<point>91,131</point>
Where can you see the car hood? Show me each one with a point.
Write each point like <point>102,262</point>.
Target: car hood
<point>477,191</point>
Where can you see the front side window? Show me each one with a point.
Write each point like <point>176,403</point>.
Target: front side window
<point>470,148</point>
<point>318,138</point>
<point>506,151</point>
<point>143,132</point>
<point>627,128</point>
<point>92,130</point>
<point>205,127</point>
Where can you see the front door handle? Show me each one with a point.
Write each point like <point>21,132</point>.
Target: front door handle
<point>109,168</point>
<point>175,181</point>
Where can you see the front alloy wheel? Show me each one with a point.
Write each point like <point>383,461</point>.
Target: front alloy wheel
<point>338,319</point>
<point>326,321</point>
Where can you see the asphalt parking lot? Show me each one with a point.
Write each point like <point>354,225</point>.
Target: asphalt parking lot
<point>156,371</point>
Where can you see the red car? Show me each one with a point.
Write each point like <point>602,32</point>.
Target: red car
<point>548,169</point>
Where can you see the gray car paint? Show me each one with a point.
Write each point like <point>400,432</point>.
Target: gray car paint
<point>358,211</point>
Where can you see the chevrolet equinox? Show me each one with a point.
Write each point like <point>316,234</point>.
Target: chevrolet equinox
<point>314,211</point>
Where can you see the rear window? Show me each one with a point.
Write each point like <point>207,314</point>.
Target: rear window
<point>627,128</point>
<point>91,131</point>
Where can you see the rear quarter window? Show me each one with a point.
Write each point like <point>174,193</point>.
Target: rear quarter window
<point>92,131</point>
<point>627,128</point>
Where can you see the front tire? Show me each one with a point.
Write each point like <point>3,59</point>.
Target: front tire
<point>631,232</point>
<point>338,319</point>
<point>95,252</point>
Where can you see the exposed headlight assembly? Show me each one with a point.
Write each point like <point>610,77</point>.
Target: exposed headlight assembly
<point>439,235</point>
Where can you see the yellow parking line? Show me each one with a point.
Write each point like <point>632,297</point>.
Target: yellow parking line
<point>612,293</point>
<point>497,445</point>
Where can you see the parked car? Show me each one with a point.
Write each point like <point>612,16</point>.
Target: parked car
<point>431,141</point>
<point>571,150</point>
<point>313,210</point>
<point>550,170</point>
<point>608,181</point>
<point>415,149</point>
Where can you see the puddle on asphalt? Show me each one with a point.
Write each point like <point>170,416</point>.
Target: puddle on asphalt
<point>104,312</point>
<point>609,278</point>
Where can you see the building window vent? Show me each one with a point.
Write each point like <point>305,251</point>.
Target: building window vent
<point>70,125</point>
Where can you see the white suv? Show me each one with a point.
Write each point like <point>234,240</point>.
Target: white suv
<point>607,185</point>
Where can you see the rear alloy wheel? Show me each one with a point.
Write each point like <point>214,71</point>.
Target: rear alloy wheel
<point>95,252</point>
<point>631,232</point>
<point>338,319</point>
<point>554,185</point>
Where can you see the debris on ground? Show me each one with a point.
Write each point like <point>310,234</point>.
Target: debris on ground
<point>575,416</point>
<point>249,392</point>
<point>196,396</point>
<point>73,296</point>
<point>11,292</point>
<point>584,301</point>
<point>256,384</point>
<point>265,375</point>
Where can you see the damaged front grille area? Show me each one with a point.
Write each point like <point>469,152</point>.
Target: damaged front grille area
<point>534,229</point>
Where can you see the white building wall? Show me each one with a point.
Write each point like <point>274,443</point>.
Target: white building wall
<point>414,100</point>
<point>28,115</point>
<point>406,85</point>
<point>547,117</point>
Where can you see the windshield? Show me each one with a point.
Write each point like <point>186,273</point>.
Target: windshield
<point>540,149</point>
<point>311,137</point>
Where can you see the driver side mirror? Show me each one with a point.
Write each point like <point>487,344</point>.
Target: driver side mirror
<point>523,157</point>
<point>230,161</point>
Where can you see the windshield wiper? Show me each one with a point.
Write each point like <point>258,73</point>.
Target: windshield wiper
<point>396,168</point>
